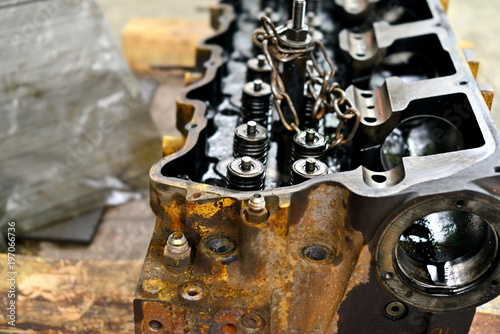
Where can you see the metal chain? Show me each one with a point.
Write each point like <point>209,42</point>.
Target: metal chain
<point>329,97</point>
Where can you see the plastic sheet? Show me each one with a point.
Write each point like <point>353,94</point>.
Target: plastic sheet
<point>75,134</point>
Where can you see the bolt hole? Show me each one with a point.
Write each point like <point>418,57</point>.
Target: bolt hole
<point>459,204</point>
<point>379,178</point>
<point>494,283</point>
<point>395,311</point>
<point>229,329</point>
<point>463,83</point>
<point>317,253</point>
<point>367,95</point>
<point>497,169</point>
<point>370,119</point>
<point>192,126</point>
<point>196,195</point>
<point>192,292</point>
<point>220,245</point>
<point>177,235</point>
<point>370,107</point>
<point>155,325</point>
<point>360,54</point>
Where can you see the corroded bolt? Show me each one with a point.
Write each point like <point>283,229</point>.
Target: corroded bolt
<point>177,252</point>
<point>256,211</point>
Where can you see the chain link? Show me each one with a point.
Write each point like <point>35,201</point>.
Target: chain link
<point>328,97</point>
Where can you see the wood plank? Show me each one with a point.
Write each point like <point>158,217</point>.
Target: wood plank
<point>71,296</point>
<point>148,41</point>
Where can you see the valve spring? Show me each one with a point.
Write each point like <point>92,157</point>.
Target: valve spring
<point>251,140</point>
<point>306,169</point>
<point>308,144</point>
<point>258,68</point>
<point>246,174</point>
<point>306,118</point>
<point>256,102</point>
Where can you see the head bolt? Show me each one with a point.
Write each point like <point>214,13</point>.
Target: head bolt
<point>177,252</point>
<point>256,211</point>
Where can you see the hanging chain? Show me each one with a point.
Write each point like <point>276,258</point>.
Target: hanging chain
<point>329,97</point>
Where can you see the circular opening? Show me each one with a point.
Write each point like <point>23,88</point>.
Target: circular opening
<point>229,329</point>
<point>192,292</point>
<point>370,107</point>
<point>196,195</point>
<point>370,119</point>
<point>192,126</point>
<point>460,203</point>
<point>395,310</point>
<point>497,169</point>
<point>252,320</point>
<point>494,283</point>
<point>358,37</point>
<point>360,54</point>
<point>155,325</point>
<point>379,178</point>
<point>317,253</point>
<point>220,245</point>
<point>367,95</point>
<point>420,136</point>
<point>446,250</point>
<point>463,83</point>
<point>177,235</point>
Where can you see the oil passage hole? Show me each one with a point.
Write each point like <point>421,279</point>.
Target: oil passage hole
<point>317,253</point>
<point>221,245</point>
<point>395,310</point>
<point>155,325</point>
<point>192,292</point>
<point>379,178</point>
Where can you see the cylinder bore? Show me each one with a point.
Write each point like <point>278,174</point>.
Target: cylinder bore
<point>441,253</point>
<point>420,136</point>
<point>446,250</point>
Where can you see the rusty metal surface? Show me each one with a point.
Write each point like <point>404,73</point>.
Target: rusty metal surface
<point>314,266</point>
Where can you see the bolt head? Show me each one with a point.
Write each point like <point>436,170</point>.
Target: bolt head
<point>297,35</point>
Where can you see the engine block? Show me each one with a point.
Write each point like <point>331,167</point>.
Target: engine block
<point>338,172</point>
